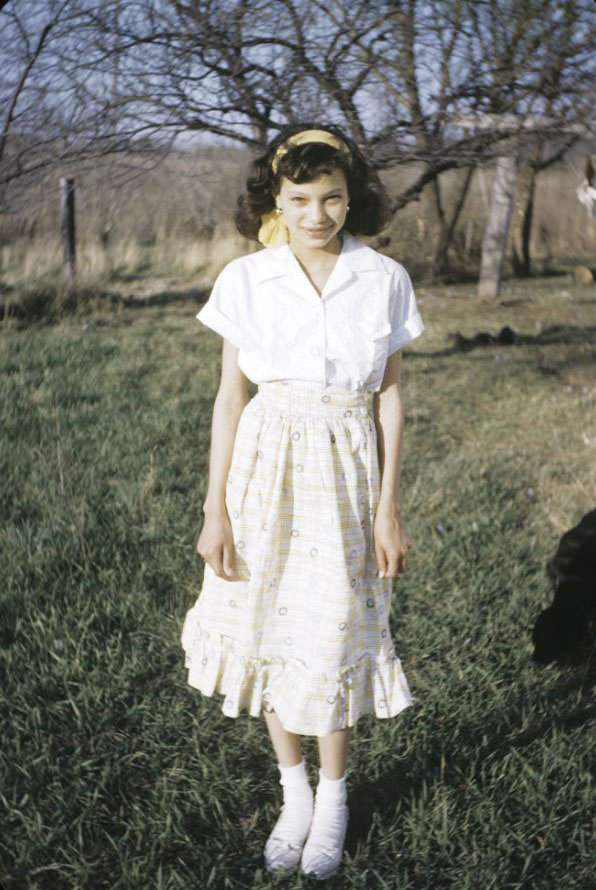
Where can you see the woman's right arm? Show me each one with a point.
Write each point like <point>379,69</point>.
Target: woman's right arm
<point>216,543</point>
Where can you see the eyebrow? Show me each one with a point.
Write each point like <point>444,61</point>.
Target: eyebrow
<point>335,191</point>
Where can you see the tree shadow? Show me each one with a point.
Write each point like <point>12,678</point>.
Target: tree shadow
<point>161,298</point>
<point>507,337</point>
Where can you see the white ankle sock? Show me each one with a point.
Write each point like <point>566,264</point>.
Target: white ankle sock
<point>332,790</point>
<point>294,776</point>
<point>284,845</point>
<point>323,850</point>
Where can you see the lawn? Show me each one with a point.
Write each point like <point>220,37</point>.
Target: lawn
<point>115,774</point>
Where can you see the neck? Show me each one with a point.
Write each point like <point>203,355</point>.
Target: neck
<point>317,256</point>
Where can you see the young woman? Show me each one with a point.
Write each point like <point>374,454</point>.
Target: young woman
<point>302,530</point>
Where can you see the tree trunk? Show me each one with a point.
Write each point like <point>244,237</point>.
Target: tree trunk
<point>524,213</point>
<point>447,226</point>
<point>497,228</point>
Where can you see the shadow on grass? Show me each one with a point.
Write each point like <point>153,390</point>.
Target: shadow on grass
<point>375,799</point>
<point>124,276</point>
<point>421,271</point>
<point>507,337</point>
<point>163,298</point>
<point>49,304</point>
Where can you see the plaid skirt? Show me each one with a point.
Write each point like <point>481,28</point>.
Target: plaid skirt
<point>303,630</point>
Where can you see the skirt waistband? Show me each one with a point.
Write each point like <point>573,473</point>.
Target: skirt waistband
<point>304,396</point>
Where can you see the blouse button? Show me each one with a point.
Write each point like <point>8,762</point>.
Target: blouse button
<point>325,398</point>
<point>347,413</point>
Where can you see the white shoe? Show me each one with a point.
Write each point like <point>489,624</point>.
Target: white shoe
<point>323,851</point>
<point>284,845</point>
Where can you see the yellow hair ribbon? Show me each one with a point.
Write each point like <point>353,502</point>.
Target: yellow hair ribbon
<point>273,231</point>
<point>308,136</point>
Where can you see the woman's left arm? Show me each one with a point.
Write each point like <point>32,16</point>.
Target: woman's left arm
<point>390,535</point>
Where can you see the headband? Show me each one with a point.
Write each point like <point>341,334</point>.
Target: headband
<point>273,231</point>
<point>309,136</point>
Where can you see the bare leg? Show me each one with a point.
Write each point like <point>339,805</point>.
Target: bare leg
<point>333,753</point>
<point>285,744</point>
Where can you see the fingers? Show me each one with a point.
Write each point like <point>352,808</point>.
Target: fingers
<point>222,563</point>
<point>222,568</point>
<point>392,562</point>
<point>228,561</point>
<point>221,560</point>
<point>381,561</point>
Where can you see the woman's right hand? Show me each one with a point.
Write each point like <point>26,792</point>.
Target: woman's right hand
<point>216,545</point>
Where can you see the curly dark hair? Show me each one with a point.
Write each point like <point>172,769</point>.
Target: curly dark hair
<point>369,204</point>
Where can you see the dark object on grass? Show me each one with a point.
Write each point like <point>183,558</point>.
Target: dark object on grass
<point>567,626</point>
<point>505,337</point>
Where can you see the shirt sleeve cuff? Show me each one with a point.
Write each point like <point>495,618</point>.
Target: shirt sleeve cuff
<point>222,325</point>
<point>407,332</point>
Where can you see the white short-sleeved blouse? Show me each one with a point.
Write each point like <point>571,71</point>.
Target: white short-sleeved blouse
<point>266,306</point>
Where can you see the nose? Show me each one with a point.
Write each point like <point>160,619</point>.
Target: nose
<point>316,213</point>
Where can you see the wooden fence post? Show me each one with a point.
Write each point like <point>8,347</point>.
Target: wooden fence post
<point>67,230</point>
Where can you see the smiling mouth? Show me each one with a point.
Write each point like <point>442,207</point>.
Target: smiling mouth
<point>321,231</point>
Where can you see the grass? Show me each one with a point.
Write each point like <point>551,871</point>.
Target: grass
<point>115,774</point>
<point>31,272</point>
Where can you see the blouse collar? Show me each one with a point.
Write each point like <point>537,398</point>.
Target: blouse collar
<point>354,257</point>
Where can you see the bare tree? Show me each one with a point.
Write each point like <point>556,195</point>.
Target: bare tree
<point>25,37</point>
<point>412,81</point>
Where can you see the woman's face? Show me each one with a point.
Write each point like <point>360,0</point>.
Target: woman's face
<point>314,212</point>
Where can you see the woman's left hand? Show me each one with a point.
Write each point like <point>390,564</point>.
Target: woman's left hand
<point>392,542</point>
